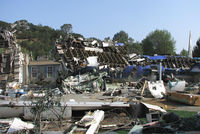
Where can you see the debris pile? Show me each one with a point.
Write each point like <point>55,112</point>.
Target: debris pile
<point>15,126</point>
<point>77,53</point>
<point>11,58</point>
<point>101,87</point>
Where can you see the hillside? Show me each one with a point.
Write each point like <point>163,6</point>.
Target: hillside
<point>37,40</point>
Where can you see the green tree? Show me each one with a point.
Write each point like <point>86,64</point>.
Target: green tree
<point>129,44</point>
<point>77,35</point>
<point>134,47</point>
<point>121,37</point>
<point>66,28</point>
<point>159,42</point>
<point>36,39</point>
<point>107,39</point>
<point>137,48</point>
<point>196,50</point>
<point>184,52</point>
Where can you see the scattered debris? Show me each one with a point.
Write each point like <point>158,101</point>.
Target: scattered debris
<point>18,124</point>
<point>157,89</point>
<point>15,125</point>
<point>190,99</point>
<point>97,75</point>
<point>176,85</point>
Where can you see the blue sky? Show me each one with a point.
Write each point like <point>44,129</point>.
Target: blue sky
<point>103,18</point>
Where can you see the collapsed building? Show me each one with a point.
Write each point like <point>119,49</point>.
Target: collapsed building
<point>87,65</point>
<point>90,66</point>
<point>11,60</point>
<point>80,57</point>
<point>75,52</point>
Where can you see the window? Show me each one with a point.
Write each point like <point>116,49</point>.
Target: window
<point>34,71</point>
<point>49,71</point>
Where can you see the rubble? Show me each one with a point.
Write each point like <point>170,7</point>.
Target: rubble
<point>74,54</point>
<point>176,85</point>
<point>157,89</point>
<point>102,80</point>
<point>11,60</point>
<point>190,99</point>
<point>15,125</point>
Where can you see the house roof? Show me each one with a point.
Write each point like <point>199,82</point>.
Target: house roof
<point>49,62</point>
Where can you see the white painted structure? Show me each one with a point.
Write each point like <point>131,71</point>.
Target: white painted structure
<point>190,46</point>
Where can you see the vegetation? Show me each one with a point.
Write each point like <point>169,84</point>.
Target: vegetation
<point>196,51</point>
<point>121,37</point>
<point>38,40</point>
<point>159,42</point>
<point>183,114</point>
<point>50,101</point>
<point>4,25</point>
<point>129,44</point>
<point>184,52</point>
<point>66,28</point>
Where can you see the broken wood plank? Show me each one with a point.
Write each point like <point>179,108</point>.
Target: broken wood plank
<point>98,117</point>
<point>144,86</point>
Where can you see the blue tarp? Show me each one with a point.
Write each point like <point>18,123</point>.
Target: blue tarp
<point>129,69</point>
<point>119,44</point>
<point>147,67</point>
<point>140,72</point>
<point>159,57</point>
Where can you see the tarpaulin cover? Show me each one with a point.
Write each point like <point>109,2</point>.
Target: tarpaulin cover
<point>129,69</point>
<point>119,44</point>
<point>155,57</point>
<point>147,67</point>
<point>140,71</point>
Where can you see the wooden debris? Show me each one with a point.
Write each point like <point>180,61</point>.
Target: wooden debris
<point>190,99</point>
<point>98,117</point>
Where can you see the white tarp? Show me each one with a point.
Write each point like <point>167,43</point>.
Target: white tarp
<point>18,125</point>
<point>92,61</point>
<point>157,89</point>
<point>176,86</point>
